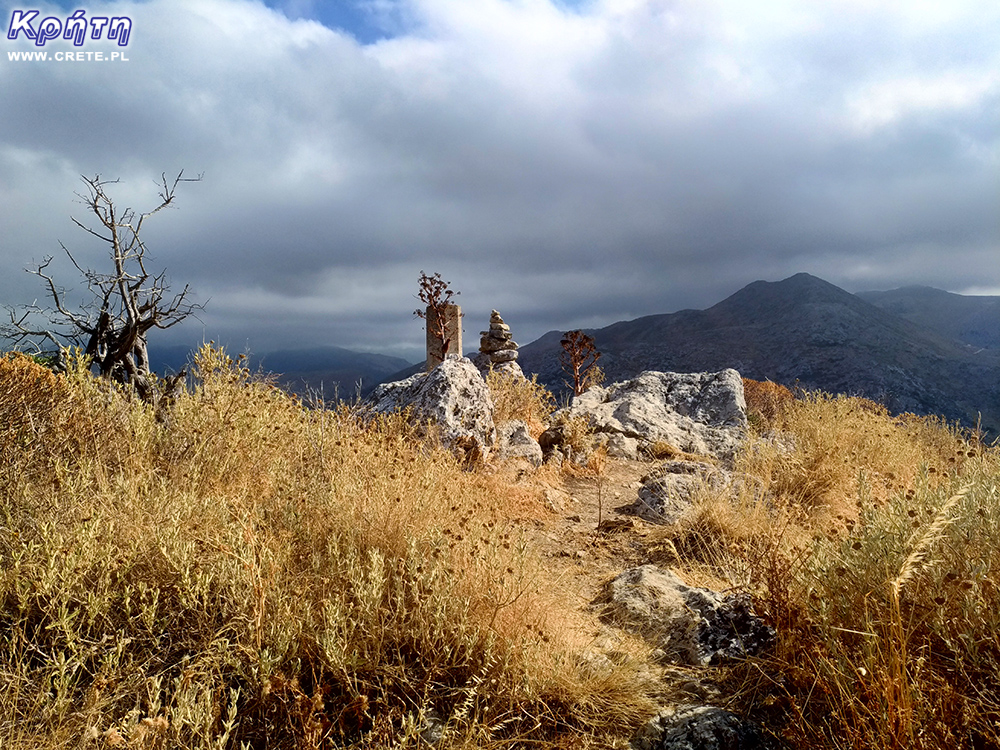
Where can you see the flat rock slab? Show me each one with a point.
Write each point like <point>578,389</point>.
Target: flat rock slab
<point>700,728</point>
<point>514,441</point>
<point>669,491</point>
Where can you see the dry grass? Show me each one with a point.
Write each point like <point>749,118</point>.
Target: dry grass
<point>515,397</point>
<point>765,401</point>
<point>253,573</point>
<point>870,543</point>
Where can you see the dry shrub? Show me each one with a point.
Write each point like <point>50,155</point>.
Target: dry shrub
<point>894,640</point>
<point>829,454</point>
<point>765,401</point>
<point>252,571</point>
<point>516,397</point>
<point>577,439</point>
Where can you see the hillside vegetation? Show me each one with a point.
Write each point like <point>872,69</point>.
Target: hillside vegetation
<point>253,573</point>
<point>240,570</point>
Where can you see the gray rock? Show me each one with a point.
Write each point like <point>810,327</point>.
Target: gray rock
<point>514,441</point>
<point>432,727</point>
<point>512,368</point>
<point>453,395</point>
<point>700,728</point>
<point>691,625</point>
<point>484,364</point>
<point>504,355</point>
<point>618,445</point>
<point>669,491</point>
<point>490,345</point>
<point>702,412</point>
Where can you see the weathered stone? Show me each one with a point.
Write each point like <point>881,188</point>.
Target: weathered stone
<point>489,345</point>
<point>497,329</point>
<point>552,439</point>
<point>504,355</point>
<point>514,441</point>
<point>691,625</point>
<point>618,445</point>
<point>669,491</point>
<point>510,368</point>
<point>502,334</point>
<point>697,412</point>
<point>700,728</point>
<point>438,350</point>
<point>453,395</point>
<point>496,343</point>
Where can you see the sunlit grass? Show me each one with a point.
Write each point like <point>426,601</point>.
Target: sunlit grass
<point>248,572</point>
<point>870,542</point>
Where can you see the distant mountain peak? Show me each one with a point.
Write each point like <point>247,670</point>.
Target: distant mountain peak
<point>771,299</point>
<point>808,332</point>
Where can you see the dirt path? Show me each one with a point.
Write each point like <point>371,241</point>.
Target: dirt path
<point>587,537</point>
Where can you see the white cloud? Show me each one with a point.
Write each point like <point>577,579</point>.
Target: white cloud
<point>884,103</point>
<point>659,153</point>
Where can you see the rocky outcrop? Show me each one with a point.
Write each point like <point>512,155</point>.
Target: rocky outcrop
<point>453,396</point>
<point>702,413</point>
<point>689,625</point>
<point>670,490</point>
<point>514,441</point>
<point>700,728</point>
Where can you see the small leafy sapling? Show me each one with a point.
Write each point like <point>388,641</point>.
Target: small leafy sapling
<point>579,360</point>
<point>436,294</point>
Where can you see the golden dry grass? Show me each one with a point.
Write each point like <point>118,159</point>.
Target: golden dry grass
<point>515,397</point>
<point>249,572</point>
<point>253,573</point>
<point>869,542</point>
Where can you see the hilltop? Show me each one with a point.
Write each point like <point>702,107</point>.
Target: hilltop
<point>804,332</point>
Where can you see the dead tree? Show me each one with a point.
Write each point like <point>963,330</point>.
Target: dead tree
<point>122,305</point>
<point>579,359</point>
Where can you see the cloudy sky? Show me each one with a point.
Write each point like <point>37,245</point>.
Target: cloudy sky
<point>569,162</point>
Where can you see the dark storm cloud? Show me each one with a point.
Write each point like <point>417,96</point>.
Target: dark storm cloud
<point>568,165</point>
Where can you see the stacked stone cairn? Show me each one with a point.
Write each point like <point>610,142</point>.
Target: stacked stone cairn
<point>496,348</point>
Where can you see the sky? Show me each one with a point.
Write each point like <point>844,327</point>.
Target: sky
<point>568,163</point>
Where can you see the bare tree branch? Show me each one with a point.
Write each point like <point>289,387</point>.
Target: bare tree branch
<point>124,304</point>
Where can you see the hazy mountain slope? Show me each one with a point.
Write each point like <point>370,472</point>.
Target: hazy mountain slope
<point>332,369</point>
<point>802,331</point>
<point>974,320</point>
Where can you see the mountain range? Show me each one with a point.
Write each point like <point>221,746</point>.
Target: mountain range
<point>916,350</point>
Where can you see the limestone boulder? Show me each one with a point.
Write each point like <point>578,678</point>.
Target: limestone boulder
<point>453,396</point>
<point>690,625</point>
<point>514,441</point>
<point>702,412</point>
<point>669,491</point>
